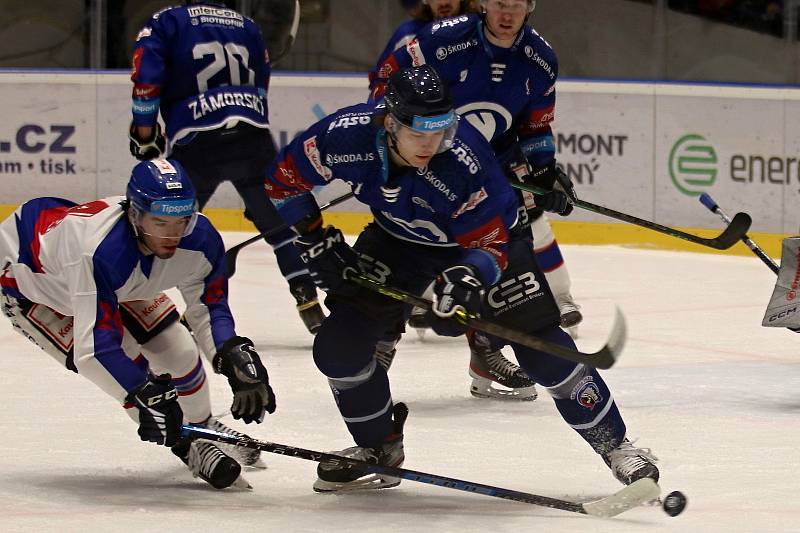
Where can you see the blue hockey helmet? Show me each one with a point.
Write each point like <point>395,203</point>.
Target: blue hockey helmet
<point>418,99</point>
<point>161,187</point>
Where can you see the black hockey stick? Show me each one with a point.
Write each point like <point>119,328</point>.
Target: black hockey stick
<point>735,230</point>
<point>635,494</point>
<point>603,359</point>
<point>712,206</point>
<point>233,251</point>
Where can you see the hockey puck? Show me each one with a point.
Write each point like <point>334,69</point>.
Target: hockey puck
<point>674,503</point>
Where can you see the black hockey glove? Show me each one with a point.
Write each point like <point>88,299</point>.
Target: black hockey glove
<point>328,256</point>
<point>160,415</point>
<point>147,149</point>
<point>252,395</point>
<point>455,289</point>
<point>562,192</point>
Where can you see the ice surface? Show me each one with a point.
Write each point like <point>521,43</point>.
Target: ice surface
<point>715,395</point>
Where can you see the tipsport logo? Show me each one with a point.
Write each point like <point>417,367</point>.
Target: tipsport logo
<point>693,164</point>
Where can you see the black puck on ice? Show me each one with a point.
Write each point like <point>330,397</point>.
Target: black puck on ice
<point>674,503</point>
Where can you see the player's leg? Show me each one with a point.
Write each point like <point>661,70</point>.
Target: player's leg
<point>551,261</point>
<point>248,151</point>
<point>152,327</point>
<point>49,330</point>
<point>585,402</point>
<point>302,288</point>
<point>344,351</point>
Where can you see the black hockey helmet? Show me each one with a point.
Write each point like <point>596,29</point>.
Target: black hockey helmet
<point>417,98</point>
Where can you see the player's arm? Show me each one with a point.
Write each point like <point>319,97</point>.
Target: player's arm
<point>207,312</point>
<point>412,54</point>
<point>535,163</point>
<point>100,358</point>
<point>480,225</point>
<point>298,168</point>
<point>399,39</point>
<point>148,73</point>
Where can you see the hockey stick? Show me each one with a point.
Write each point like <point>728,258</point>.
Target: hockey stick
<point>603,359</point>
<point>633,495</point>
<point>233,251</point>
<point>735,230</point>
<point>712,206</point>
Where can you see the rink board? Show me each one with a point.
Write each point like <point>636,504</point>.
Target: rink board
<point>646,149</point>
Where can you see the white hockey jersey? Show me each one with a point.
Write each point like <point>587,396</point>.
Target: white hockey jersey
<point>82,260</point>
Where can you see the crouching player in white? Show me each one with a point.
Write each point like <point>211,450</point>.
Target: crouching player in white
<point>85,283</point>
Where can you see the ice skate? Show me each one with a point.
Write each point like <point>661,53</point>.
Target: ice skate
<point>208,462</point>
<point>629,464</point>
<point>308,306</point>
<point>489,368</point>
<point>245,456</point>
<point>570,314</point>
<point>344,477</point>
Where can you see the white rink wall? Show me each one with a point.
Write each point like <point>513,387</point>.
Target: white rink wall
<point>647,149</point>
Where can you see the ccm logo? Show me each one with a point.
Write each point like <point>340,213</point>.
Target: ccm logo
<point>320,247</point>
<point>513,290</point>
<point>783,314</point>
<point>153,400</point>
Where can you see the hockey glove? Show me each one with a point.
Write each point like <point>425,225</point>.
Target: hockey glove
<point>328,257</point>
<point>456,289</point>
<point>160,415</point>
<point>144,150</point>
<point>562,192</point>
<point>252,395</point>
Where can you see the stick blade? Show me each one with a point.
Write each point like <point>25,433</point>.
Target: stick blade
<point>733,233</point>
<point>637,493</point>
<point>608,354</point>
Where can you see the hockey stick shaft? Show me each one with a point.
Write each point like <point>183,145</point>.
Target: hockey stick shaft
<point>603,359</point>
<point>634,494</point>
<point>712,206</point>
<point>735,230</point>
<point>232,253</point>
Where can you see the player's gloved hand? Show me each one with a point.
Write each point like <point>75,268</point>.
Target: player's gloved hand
<point>160,415</point>
<point>561,191</point>
<point>555,201</point>
<point>146,149</point>
<point>328,256</point>
<point>455,289</point>
<point>252,396</point>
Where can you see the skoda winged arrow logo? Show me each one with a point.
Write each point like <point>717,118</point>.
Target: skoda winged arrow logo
<point>692,164</point>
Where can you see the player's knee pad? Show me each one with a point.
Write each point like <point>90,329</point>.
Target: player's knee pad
<point>345,343</point>
<point>49,330</point>
<point>172,350</point>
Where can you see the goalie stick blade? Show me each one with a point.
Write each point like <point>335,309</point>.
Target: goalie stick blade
<point>636,494</point>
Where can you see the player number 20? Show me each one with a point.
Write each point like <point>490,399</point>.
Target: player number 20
<point>231,55</point>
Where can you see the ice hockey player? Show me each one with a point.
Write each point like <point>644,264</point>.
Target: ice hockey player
<point>502,74</point>
<point>443,210</point>
<point>485,367</point>
<point>85,283</point>
<point>206,69</point>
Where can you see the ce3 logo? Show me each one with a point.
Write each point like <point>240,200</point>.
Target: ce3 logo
<point>512,290</point>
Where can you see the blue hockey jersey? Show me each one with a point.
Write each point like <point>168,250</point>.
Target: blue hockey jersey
<point>506,93</point>
<point>461,199</point>
<point>203,66</point>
